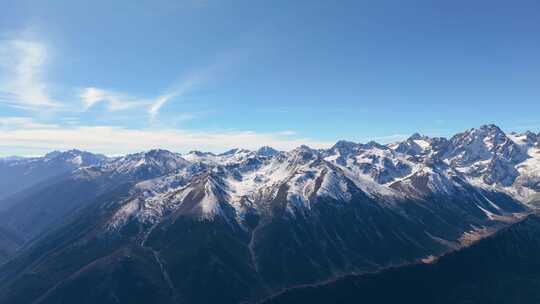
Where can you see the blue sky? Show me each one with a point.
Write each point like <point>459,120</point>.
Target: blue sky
<point>133,75</point>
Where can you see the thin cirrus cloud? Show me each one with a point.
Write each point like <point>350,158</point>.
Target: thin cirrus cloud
<point>154,108</point>
<point>190,83</point>
<point>115,101</point>
<point>28,123</point>
<point>21,81</point>
<point>23,84</point>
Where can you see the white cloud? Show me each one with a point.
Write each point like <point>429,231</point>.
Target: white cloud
<point>91,96</point>
<point>21,82</point>
<point>158,103</point>
<point>187,85</point>
<point>16,122</point>
<point>22,85</point>
<point>115,140</point>
<point>115,101</point>
<point>287,133</point>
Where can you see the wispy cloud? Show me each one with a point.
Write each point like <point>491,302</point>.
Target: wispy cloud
<point>158,103</point>
<point>21,80</point>
<point>118,101</point>
<point>287,133</point>
<point>115,101</point>
<point>188,84</point>
<point>23,84</point>
<point>117,140</point>
<point>16,122</point>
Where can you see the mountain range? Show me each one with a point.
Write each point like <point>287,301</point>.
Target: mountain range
<point>243,226</point>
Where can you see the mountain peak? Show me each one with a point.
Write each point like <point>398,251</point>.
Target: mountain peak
<point>52,154</point>
<point>344,143</point>
<point>344,146</point>
<point>304,152</point>
<point>75,157</point>
<point>490,129</point>
<point>526,138</point>
<point>374,144</point>
<point>234,151</point>
<point>200,153</point>
<point>267,151</point>
<point>304,148</point>
<point>159,153</point>
<point>489,132</point>
<point>416,136</point>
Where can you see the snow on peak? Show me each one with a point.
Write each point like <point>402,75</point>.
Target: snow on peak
<point>234,151</point>
<point>75,157</point>
<point>416,145</point>
<point>303,154</point>
<point>416,136</point>
<point>482,144</point>
<point>267,151</point>
<point>201,197</point>
<point>526,139</point>
<point>427,181</point>
<point>146,165</point>
<point>208,185</point>
<point>200,153</point>
<point>345,147</point>
<point>335,186</point>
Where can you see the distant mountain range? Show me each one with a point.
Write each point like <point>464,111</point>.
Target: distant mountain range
<point>242,226</point>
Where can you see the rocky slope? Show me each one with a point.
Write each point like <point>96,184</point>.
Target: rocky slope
<point>503,268</point>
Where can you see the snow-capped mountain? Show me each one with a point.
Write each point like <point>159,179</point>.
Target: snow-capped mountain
<point>419,166</point>
<point>246,181</point>
<point>260,221</point>
<point>77,178</point>
<point>144,165</point>
<point>19,173</point>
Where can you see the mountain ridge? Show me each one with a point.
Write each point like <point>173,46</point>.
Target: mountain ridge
<point>260,221</point>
